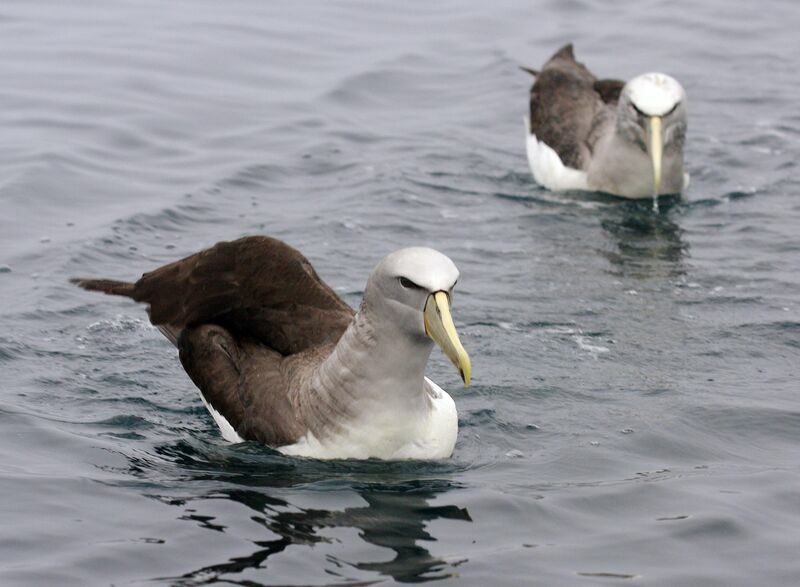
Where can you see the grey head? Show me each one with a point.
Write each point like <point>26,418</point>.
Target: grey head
<point>652,114</point>
<point>410,291</point>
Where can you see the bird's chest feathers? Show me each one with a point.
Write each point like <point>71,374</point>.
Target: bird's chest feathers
<point>387,428</point>
<point>371,400</point>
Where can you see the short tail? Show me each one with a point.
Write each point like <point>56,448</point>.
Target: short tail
<point>107,286</point>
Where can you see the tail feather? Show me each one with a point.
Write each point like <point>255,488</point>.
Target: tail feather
<point>106,286</point>
<point>123,288</point>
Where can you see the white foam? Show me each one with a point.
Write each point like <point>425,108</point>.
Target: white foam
<point>591,348</point>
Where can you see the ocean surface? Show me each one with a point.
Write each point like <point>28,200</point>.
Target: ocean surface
<point>635,412</point>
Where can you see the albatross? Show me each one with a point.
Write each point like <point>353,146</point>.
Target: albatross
<point>281,359</point>
<point>606,135</point>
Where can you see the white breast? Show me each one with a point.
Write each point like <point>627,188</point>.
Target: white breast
<point>390,435</point>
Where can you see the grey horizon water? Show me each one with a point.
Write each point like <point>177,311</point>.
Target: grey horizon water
<point>633,417</point>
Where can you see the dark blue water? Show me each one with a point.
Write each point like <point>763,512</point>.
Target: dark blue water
<point>634,417</point>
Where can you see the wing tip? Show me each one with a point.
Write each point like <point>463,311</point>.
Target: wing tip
<point>106,286</point>
<point>567,50</point>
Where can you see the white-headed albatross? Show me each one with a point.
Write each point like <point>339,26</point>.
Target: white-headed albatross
<point>279,358</point>
<point>606,135</point>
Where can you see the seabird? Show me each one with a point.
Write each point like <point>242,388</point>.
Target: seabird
<point>606,135</point>
<point>281,359</point>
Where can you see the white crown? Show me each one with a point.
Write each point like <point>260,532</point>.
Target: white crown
<point>655,94</point>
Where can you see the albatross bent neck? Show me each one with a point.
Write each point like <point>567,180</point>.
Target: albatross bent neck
<point>375,359</point>
<point>371,400</point>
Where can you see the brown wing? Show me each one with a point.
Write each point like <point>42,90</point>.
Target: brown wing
<point>244,382</point>
<point>257,287</point>
<point>609,90</point>
<point>563,106</point>
<point>235,311</point>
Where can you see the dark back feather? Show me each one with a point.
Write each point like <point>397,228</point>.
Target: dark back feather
<point>257,287</point>
<point>609,90</point>
<point>565,102</point>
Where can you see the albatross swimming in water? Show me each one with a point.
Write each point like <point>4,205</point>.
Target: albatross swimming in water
<point>606,135</point>
<point>281,359</point>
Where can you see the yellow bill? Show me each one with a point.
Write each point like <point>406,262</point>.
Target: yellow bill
<point>439,326</point>
<point>656,151</point>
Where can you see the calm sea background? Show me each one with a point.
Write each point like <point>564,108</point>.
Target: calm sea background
<point>634,417</point>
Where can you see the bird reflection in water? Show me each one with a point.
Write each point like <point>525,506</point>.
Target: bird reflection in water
<point>395,517</point>
<point>648,244</point>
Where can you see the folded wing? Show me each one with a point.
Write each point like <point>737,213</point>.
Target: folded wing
<point>567,102</point>
<point>255,287</point>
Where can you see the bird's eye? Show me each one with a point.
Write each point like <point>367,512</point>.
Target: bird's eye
<point>408,284</point>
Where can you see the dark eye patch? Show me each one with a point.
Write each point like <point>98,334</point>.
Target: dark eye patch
<point>639,112</point>
<point>674,108</point>
<point>408,284</point>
